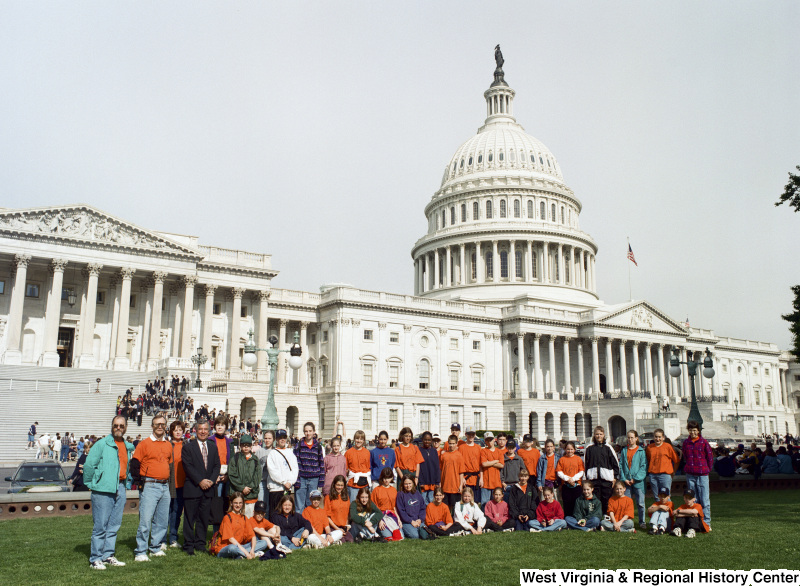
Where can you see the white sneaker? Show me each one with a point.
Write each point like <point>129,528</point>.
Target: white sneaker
<point>112,561</point>
<point>97,565</point>
<point>159,554</point>
<point>690,534</point>
<point>163,547</point>
<point>258,554</point>
<point>509,530</point>
<point>142,557</point>
<point>174,544</point>
<point>534,530</point>
<point>676,532</point>
<point>283,548</point>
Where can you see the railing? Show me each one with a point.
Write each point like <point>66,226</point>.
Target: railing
<point>510,395</point>
<point>626,395</point>
<point>580,397</point>
<point>735,418</point>
<point>549,395</point>
<point>563,396</point>
<point>236,257</point>
<point>217,388</point>
<point>713,399</point>
<point>661,415</point>
<point>533,395</point>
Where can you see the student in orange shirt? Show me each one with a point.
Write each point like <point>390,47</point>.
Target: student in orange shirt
<point>236,540</point>
<point>570,471</point>
<point>689,517</point>
<point>452,464</point>
<point>491,465</point>
<point>337,505</point>
<point>662,461</point>
<point>385,495</point>
<point>321,534</point>
<point>546,469</point>
<point>530,455</point>
<point>264,530</point>
<point>661,513</point>
<point>438,519</point>
<point>620,511</point>
<point>358,471</point>
<point>471,452</point>
<point>407,457</point>
<point>501,442</point>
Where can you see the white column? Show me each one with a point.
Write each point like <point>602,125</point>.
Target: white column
<point>637,379</point>
<point>463,276</point>
<point>208,323</point>
<point>122,362</point>
<point>560,260</point>
<point>584,277</point>
<point>567,374</point>
<point>189,282</point>
<point>154,354</point>
<point>685,384</point>
<point>262,368</point>
<point>448,268</point>
<point>479,263</point>
<point>537,365</point>
<point>426,273</point>
<point>52,316</point>
<point>529,263</point>
<point>662,384</point>
<point>14,325</point>
<point>546,263</point>
<point>177,326</point>
<point>522,366</point>
<point>512,263</point>
<point>595,368</point>
<point>623,367</point>
<point>648,368</point>
<point>436,269</point>
<point>551,362</point>
<point>236,325</point>
<point>580,368</point>
<point>495,262</point>
<point>87,358</point>
<point>610,365</point>
<point>141,355</point>
<point>114,283</point>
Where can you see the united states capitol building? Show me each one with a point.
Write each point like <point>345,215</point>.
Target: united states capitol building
<point>505,329</point>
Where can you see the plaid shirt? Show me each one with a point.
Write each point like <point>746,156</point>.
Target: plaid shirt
<point>698,456</point>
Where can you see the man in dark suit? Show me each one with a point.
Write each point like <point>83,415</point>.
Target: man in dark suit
<point>201,464</point>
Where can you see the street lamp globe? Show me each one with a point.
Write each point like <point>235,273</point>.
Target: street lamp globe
<point>708,365</point>
<point>295,353</point>
<point>250,359</point>
<point>295,362</point>
<point>674,364</point>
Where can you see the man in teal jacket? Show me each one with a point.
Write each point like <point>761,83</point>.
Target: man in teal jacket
<point>632,471</point>
<point>107,474</point>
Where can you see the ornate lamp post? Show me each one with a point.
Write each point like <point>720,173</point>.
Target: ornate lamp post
<point>199,359</point>
<point>691,365</point>
<point>736,405</point>
<point>270,418</point>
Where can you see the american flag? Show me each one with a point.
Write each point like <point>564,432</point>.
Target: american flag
<point>631,257</point>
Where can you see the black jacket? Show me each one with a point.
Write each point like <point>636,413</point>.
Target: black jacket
<point>192,459</point>
<point>523,503</point>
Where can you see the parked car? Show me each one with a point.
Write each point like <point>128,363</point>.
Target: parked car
<point>38,476</point>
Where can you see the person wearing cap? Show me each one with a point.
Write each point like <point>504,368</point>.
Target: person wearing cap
<point>455,430</point>
<point>661,513</point>
<point>283,470</point>
<point>699,458</point>
<point>264,529</point>
<point>512,465</point>
<point>491,465</point>
<point>244,474</point>
<point>471,452</point>
<point>321,534</point>
<point>436,442</point>
<point>688,517</point>
<point>430,474</point>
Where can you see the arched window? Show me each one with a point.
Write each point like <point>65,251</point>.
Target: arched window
<point>512,156</point>
<point>475,210</point>
<point>553,212</point>
<point>503,264</point>
<point>489,265</point>
<point>452,215</point>
<point>500,157</point>
<point>454,166</point>
<point>516,380</point>
<point>518,263</point>
<point>533,158</point>
<point>517,211</point>
<point>463,212</point>
<point>474,268</point>
<point>502,208</point>
<point>562,215</point>
<point>533,264</point>
<point>424,374</point>
<point>488,209</point>
<point>541,210</point>
<point>444,218</point>
<point>566,269</point>
<point>490,156</point>
<point>549,426</point>
<point>461,164</point>
<point>741,394</point>
<point>541,162</point>
<point>555,270</point>
<point>533,423</point>
<point>470,161</point>
<point>530,209</point>
<point>480,158</point>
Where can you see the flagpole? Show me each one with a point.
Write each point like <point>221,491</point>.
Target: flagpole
<point>630,289</point>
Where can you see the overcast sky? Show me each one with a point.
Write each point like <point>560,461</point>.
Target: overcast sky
<point>317,132</point>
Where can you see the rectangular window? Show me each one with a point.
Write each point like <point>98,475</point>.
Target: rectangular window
<point>453,418</point>
<point>393,420</point>
<point>476,345</point>
<point>64,294</point>
<point>766,371</point>
<point>132,302</point>
<point>477,419</point>
<point>366,417</point>
<point>476,381</point>
<point>424,374</point>
<point>518,264</point>
<point>769,398</point>
<point>216,309</point>
<point>2,287</point>
<point>367,335</point>
<point>797,377</point>
<point>453,379</point>
<point>312,377</point>
<point>101,298</point>
<point>323,374</point>
<point>755,370</point>
<point>32,290</point>
<point>366,370</point>
<point>758,397</point>
<point>394,376</point>
<point>243,312</point>
<point>425,420</point>
<point>324,335</point>
<point>314,338</point>
<point>454,343</point>
<point>394,338</point>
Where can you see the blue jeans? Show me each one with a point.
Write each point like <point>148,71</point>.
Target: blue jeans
<point>638,498</point>
<point>287,541</point>
<point>660,481</point>
<point>486,495</point>
<point>591,523</point>
<point>64,453</point>
<point>352,493</point>
<point>410,532</point>
<point>153,516</point>
<point>427,496</point>
<point>626,527</point>
<point>233,551</point>
<point>699,484</point>
<point>302,492</point>
<point>660,519</point>
<point>175,513</point>
<point>558,525</point>
<point>107,509</point>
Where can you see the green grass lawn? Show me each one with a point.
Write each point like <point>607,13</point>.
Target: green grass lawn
<point>751,530</point>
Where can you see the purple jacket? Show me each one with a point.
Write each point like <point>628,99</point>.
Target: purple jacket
<point>699,457</point>
<point>410,506</point>
<point>310,461</point>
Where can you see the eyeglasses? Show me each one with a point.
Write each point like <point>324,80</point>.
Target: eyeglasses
<point>159,425</point>
<point>118,426</point>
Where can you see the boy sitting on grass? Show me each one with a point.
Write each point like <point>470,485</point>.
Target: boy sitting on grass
<point>689,517</point>
<point>660,512</point>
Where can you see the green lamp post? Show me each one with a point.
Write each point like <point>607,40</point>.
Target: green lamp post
<point>691,365</point>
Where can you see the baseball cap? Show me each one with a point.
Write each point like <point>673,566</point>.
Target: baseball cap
<point>260,507</point>
<point>436,437</point>
<point>511,444</point>
<point>315,494</point>
<point>663,491</point>
<point>245,439</point>
<point>689,494</point>
<point>281,434</point>
<point>469,429</point>
<point>488,435</point>
<point>456,426</point>
<point>527,437</point>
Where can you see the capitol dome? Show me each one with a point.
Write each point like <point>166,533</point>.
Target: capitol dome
<point>503,227</point>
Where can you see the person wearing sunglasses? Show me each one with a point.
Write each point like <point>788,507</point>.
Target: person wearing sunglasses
<point>153,458</point>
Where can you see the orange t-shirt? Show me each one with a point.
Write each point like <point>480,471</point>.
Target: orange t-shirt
<point>338,510</point>
<point>491,475</point>
<point>233,526</point>
<point>384,497</point>
<point>451,464</point>
<point>317,517</point>
<point>661,459</point>
<point>697,507</point>
<point>630,452</point>
<point>264,524</point>
<point>222,448</point>
<point>155,457</point>
<point>180,474</point>
<point>407,458</point>
<point>550,473</point>
<point>620,506</point>
<point>437,514</point>
<point>357,461</point>
<point>531,459</point>
<point>570,466</point>
<point>472,462</point>
<point>123,459</point>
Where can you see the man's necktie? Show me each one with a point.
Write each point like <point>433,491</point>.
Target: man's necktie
<point>204,451</point>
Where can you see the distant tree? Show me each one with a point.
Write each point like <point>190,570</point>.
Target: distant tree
<point>791,193</point>
<point>794,319</point>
